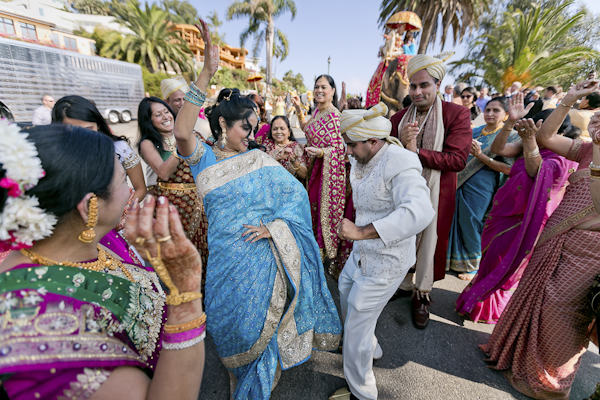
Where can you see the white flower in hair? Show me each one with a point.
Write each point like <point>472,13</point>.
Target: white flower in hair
<point>22,220</point>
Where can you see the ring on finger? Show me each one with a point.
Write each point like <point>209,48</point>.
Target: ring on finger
<point>151,239</point>
<point>257,234</point>
<point>140,240</point>
<point>163,239</point>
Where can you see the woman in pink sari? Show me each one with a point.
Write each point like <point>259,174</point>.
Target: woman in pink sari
<point>327,177</point>
<point>544,330</point>
<point>520,210</point>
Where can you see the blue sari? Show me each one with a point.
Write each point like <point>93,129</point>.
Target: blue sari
<point>476,187</point>
<point>267,303</point>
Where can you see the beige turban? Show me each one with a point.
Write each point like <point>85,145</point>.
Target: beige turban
<point>362,125</point>
<point>434,65</point>
<point>170,86</point>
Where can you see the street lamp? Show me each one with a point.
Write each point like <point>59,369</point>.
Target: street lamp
<point>328,64</point>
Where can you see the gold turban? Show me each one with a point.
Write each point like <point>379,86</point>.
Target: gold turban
<point>362,125</point>
<point>170,86</point>
<point>434,65</point>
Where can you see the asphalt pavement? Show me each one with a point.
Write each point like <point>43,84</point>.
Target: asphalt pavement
<point>440,362</point>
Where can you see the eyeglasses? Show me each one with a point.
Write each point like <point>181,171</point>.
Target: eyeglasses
<point>466,96</point>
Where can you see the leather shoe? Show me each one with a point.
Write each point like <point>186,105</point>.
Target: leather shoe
<point>420,312</point>
<point>401,293</point>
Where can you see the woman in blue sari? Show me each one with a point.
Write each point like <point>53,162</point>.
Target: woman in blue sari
<point>476,187</point>
<point>266,297</point>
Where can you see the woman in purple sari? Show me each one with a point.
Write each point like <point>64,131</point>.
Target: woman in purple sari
<point>328,190</point>
<point>82,320</point>
<point>521,208</point>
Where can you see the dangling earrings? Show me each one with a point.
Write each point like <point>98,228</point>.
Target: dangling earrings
<point>505,118</point>
<point>89,234</point>
<point>223,136</point>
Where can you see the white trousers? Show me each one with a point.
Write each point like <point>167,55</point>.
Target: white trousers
<point>362,299</point>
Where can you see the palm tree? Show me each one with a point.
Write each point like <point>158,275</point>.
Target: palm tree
<point>461,15</point>
<point>214,23</point>
<point>262,15</point>
<point>530,50</point>
<point>182,12</point>
<point>153,42</point>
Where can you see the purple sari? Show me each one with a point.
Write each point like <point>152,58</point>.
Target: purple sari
<point>64,329</point>
<point>520,211</point>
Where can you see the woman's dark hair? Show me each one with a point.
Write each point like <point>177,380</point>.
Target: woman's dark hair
<point>593,99</point>
<point>565,129</point>
<point>471,90</point>
<point>261,106</point>
<point>287,122</point>
<point>334,99</point>
<point>77,107</point>
<point>354,104</point>
<point>408,35</point>
<point>232,107</point>
<point>145,126</point>
<point>502,100</point>
<point>72,169</point>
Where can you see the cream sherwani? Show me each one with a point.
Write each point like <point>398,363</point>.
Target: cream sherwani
<point>390,193</point>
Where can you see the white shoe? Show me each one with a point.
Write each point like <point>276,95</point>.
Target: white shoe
<point>378,354</point>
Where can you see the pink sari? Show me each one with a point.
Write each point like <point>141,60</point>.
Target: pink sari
<point>543,332</point>
<point>327,184</point>
<point>520,211</point>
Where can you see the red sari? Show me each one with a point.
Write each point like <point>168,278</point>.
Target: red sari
<point>543,331</point>
<point>327,184</point>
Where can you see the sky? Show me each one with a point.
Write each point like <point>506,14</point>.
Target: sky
<point>345,30</point>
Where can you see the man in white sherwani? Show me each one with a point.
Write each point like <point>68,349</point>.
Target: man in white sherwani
<point>393,205</point>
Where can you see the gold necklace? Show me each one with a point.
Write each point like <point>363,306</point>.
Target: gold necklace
<point>171,142</point>
<point>485,132</point>
<point>105,261</point>
<point>221,155</point>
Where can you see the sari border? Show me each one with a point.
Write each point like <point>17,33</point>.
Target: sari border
<point>230,169</point>
<point>325,204</point>
<point>567,223</point>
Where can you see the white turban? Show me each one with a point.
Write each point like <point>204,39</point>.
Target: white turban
<point>434,65</point>
<point>362,125</point>
<point>170,86</point>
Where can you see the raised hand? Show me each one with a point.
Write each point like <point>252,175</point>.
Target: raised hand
<point>408,137</point>
<point>594,128</point>
<point>211,51</point>
<point>580,90</point>
<point>297,103</point>
<point>516,108</point>
<point>343,104</point>
<point>527,129</point>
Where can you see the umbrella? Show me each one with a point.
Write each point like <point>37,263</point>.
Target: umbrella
<point>254,78</point>
<point>406,21</point>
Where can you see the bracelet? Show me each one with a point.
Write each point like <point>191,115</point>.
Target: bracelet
<point>184,345</point>
<point>533,153</point>
<point>322,153</point>
<point>183,336</point>
<point>594,166</point>
<point>564,105</point>
<point>491,159</point>
<point>595,173</point>
<point>296,169</point>
<point>174,298</point>
<point>186,326</point>
<point>195,95</point>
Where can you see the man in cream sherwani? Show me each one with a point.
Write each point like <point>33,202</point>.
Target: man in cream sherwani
<point>392,206</point>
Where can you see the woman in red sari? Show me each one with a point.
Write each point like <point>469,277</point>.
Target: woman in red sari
<point>327,178</point>
<point>281,144</point>
<point>544,330</point>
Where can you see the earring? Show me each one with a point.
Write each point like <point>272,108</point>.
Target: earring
<point>505,118</point>
<point>89,234</point>
<point>223,137</point>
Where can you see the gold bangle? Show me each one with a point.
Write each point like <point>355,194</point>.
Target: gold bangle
<point>186,326</point>
<point>296,169</point>
<point>174,298</point>
<point>322,153</point>
<point>533,153</point>
<point>594,172</point>
<point>564,105</point>
<point>594,166</point>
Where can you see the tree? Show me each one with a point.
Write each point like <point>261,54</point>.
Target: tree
<point>262,15</point>
<point>182,12</point>
<point>214,23</point>
<point>153,43</point>
<point>295,81</point>
<point>95,7</point>
<point>460,15</point>
<point>526,47</point>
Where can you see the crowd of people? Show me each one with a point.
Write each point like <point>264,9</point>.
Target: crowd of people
<point>109,288</point>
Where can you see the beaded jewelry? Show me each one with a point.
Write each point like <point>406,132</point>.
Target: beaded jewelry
<point>195,95</point>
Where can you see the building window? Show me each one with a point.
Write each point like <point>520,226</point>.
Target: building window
<point>55,39</point>
<point>7,26</point>
<point>93,48</point>
<point>28,30</point>
<point>41,10</point>
<point>70,44</point>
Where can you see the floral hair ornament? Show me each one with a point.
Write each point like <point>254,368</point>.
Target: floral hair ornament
<point>22,220</point>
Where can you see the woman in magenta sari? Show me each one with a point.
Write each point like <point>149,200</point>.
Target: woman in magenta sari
<point>327,177</point>
<point>521,208</point>
<point>541,336</point>
<point>81,319</point>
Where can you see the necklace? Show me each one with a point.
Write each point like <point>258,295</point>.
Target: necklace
<point>486,132</point>
<point>105,261</point>
<point>221,155</point>
<point>171,142</point>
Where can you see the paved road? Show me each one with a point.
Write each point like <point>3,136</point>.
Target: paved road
<point>441,362</point>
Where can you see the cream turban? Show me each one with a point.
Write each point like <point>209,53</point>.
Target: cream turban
<point>434,65</point>
<point>170,86</point>
<point>362,125</point>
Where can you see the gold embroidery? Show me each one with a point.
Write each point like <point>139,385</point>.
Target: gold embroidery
<point>86,384</point>
<point>572,155</point>
<point>198,153</point>
<point>573,220</point>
